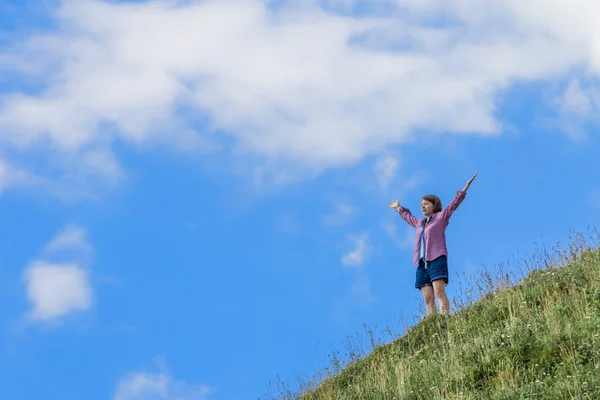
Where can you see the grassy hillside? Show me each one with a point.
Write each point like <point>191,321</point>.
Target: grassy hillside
<point>536,337</point>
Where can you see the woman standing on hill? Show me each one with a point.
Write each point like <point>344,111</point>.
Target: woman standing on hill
<point>431,254</point>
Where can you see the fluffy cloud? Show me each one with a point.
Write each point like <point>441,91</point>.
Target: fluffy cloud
<point>158,386</point>
<point>72,237</point>
<point>14,176</point>
<point>359,253</point>
<point>56,289</point>
<point>291,84</point>
<point>404,240</point>
<point>342,214</point>
<point>385,169</point>
<point>577,106</point>
<point>4,175</point>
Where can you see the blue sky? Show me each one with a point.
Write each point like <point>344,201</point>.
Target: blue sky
<point>193,198</point>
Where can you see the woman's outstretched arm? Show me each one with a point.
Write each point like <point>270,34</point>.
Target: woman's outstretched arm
<point>469,182</point>
<point>458,199</point>
<point>404,213</point>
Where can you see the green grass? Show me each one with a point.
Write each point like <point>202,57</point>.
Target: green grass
<point>533,333</point>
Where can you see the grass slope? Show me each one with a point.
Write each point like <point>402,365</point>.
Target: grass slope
<point>535,338</point>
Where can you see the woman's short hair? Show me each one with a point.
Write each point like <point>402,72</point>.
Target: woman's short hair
<point>433,199</point>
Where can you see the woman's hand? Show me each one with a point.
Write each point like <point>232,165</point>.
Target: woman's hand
<point>469,182</point>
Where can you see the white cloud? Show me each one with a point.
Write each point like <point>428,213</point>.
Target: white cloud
<point>405,240</point>
<point>578,105</point>
<point>385,169</point>
<point>293,85</point>
<point>359,253</point>
<point>72,237</point>
<point>70,187</point>
<point>575,100</point>
<point>57,289</point>
<point>11,176</point>
<point>342,214</point>
<point>155,386</point>
<point>4,175</point>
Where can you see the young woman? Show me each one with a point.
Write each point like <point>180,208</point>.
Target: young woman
<point>430,254</point>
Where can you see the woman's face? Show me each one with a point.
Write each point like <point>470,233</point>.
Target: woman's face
<point>427,208</point>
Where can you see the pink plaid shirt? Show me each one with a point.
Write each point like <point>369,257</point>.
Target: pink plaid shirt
<point>435,233</point>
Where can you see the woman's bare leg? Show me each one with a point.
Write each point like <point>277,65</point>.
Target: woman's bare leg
<point>429,298</point>
<point>439,288</point>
